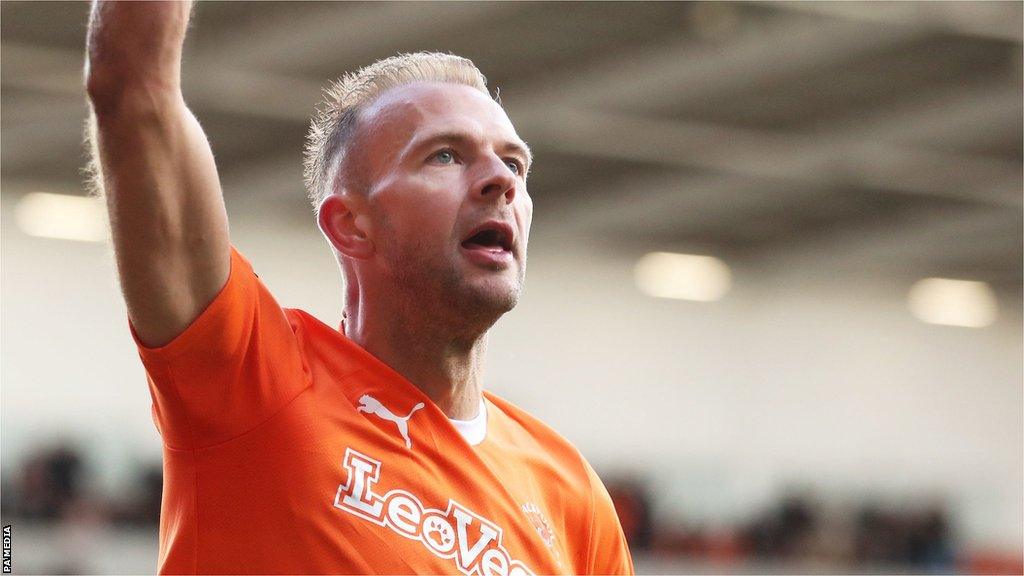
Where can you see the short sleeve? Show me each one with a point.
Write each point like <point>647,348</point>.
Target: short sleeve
<point>608,552</point>
<point>234,367</point>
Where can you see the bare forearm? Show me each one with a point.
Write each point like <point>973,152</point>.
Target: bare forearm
<point>134,45</point>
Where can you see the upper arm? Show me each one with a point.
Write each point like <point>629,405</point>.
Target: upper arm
<point>167,216</point>
<point>156,169</point>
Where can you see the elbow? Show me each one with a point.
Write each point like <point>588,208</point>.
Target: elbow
<point>101,88</point>
<point>104,73</point>
<point>113,91</point>
<point>104,82</point>
<point>133,51</point>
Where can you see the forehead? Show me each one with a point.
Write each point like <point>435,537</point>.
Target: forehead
<point>402,112</point>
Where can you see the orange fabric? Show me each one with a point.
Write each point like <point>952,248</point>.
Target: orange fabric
<point>286,451</point>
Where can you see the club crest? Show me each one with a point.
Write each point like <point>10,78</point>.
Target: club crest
<point>540,524</point>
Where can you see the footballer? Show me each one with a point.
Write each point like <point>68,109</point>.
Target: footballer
<point>370,446</point>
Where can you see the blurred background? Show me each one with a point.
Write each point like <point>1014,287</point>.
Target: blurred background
<point>775,275</point>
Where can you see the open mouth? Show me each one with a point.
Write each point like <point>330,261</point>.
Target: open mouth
<point>491,239</point>
<point>490,244</point>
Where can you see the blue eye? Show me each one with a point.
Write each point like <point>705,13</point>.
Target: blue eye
<point>513,165</point>
<point>445,157</point>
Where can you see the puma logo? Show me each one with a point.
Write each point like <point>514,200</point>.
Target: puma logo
<point>370,404</point>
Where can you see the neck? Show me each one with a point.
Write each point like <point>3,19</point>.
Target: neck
<point>443,360</point>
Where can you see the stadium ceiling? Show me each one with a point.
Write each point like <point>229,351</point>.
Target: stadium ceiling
<point>878,137</point>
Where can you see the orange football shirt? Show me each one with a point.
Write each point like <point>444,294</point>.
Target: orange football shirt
<point>290,449</point>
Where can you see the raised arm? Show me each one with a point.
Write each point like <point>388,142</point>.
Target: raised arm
<point>156,169</point>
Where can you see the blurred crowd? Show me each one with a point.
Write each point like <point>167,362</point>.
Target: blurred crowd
<point>803,532</point>
<point>56,485</point>
<point>799,530</point>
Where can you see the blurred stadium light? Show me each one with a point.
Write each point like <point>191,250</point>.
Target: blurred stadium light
<point>62,216</point>
<point>682,276</point>
<point>953,302</point>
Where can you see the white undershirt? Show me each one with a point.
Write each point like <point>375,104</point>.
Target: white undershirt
<point>475,430</point>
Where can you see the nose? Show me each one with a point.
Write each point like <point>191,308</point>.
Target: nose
<point>496,181</point>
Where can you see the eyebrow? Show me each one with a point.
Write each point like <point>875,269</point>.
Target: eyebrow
<point>455,137</point>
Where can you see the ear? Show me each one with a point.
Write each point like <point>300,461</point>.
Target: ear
<point>344,226</point>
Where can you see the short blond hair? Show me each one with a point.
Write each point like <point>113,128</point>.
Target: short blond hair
<point>334,123</point>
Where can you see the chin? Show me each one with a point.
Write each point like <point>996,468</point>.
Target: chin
<point>489,297</point>
<point>478,295</point>
<point>500,299</point>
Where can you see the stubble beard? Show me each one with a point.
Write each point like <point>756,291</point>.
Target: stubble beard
<point>442,289</point>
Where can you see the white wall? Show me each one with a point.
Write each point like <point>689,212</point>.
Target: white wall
<point>789,379</point>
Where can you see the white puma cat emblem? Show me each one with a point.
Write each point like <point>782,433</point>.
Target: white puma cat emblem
<point>370,404</point>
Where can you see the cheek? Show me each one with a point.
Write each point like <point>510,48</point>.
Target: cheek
<point>417,214</point>
<point>526,211</point>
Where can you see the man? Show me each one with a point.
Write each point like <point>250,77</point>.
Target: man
<point>293,447</point>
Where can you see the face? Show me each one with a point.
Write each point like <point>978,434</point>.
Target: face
<point>447,208</point>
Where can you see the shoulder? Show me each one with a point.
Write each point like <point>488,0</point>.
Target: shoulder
<point>308,328</point>
<point>585,505</point>
<point>527,427</point>
<point>300,319</point>
<point>326,350</point>
<point>547,447</point>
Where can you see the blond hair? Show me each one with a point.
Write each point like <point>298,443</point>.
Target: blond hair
<point>334,124</point>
